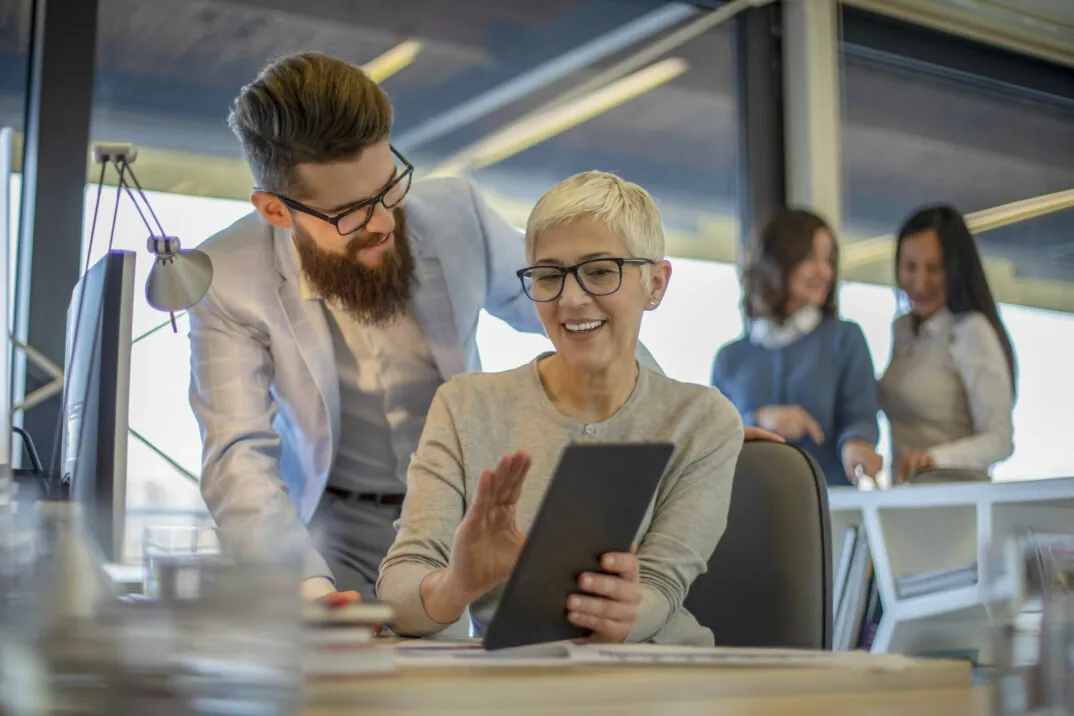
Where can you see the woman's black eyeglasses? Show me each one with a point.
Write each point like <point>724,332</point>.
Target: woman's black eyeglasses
<point>597,277</point>
<point>353,219</point>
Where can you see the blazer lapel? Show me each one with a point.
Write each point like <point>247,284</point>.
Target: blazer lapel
<point>433,309</point>
<point>309,327</point>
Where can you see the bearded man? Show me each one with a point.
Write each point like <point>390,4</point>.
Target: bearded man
<point>337,309</point>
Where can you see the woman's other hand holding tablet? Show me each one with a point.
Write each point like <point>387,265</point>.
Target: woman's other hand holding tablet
<point>609,606</point>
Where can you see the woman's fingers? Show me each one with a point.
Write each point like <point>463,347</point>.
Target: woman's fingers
<point>502,485</point>
<point>484,495</point>
<point>625,564</point>
<point>604,630</point>
<point>502,476</point>
<point>522,468</point>
<point>602,608</point>
<point>611,587</point>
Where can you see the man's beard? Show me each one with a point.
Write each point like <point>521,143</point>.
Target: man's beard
<point>372,295</point>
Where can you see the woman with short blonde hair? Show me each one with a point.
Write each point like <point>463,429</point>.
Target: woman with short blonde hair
<point>491,443</point>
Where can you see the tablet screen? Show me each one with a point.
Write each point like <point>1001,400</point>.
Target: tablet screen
<point>595,504</point>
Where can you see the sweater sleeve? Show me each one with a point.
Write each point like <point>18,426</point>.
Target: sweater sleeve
<point>433,509</point>
<point>982,366</point>
<point>857,399</point>
<point>688,520</point>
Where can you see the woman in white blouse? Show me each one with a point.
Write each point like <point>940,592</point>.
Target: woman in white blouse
<point>949,390</point>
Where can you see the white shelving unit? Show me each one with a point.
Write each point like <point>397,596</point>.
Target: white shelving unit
<point>919,528</point>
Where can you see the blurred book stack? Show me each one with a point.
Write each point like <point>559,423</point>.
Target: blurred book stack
<point>340,642</point>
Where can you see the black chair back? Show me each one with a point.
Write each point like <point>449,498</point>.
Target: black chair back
<point>769,582</point>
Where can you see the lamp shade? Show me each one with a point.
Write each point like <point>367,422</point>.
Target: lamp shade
<point>178,280</point>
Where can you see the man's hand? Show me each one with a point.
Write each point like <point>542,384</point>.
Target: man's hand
<point>339,599</point>
<point>793,422</point>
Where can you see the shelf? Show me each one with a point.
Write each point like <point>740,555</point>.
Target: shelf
<point>950,531</point>
<point>928,605</point>
<point>920,528</point>
<point>1052,490</point>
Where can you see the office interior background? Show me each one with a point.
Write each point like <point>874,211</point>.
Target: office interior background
<point>935,106</point>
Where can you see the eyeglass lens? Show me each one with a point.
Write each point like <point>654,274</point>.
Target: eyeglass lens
<point>356,220</point>
<point>599,278</point>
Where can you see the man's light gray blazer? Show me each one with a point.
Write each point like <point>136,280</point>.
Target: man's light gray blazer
<point>264,385</point>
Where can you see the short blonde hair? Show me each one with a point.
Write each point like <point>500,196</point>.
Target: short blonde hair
<point>626,208</point>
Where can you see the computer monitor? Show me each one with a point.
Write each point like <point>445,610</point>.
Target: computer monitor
<point>95,397</point>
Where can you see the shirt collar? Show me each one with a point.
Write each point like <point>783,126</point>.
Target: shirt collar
<point>775,335</point>
<point>937,323</point>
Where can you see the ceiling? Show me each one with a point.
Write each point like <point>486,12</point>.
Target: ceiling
<point>168,69</point>
<point>1057,11</point>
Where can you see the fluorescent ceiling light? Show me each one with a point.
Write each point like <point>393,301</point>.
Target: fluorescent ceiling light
<point>861,253</point>
<point>527,132</point>
<point>382,67</point>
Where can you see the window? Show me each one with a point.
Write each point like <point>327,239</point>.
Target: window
<point>15,17</point>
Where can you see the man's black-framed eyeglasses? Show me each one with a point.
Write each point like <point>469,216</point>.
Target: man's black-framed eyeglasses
<point>352,219</point>
<point>597,277</point>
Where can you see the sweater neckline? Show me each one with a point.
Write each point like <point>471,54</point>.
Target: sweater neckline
<point>640,385</point>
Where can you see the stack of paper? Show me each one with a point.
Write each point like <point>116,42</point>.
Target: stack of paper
<point>420,654</point>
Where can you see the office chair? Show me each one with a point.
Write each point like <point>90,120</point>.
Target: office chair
<point>769,582</point>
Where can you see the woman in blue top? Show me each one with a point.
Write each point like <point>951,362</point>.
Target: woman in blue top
<point>800,371</point>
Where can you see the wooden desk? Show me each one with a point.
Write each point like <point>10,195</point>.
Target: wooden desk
<point>926,689</point>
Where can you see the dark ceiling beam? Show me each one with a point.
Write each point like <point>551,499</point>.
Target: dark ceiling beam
<point>921,49</point>
<point>517,51</point>
<point>549,71</point>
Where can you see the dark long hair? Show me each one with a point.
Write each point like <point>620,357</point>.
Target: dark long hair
<point>964,276</point>
<point>783,242</point>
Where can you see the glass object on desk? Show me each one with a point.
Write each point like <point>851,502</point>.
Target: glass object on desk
<point>1028,585</point>
<point>171,554</point>
<point>221,635</point>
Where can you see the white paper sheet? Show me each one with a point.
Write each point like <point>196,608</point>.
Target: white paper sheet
<point>566,654</point>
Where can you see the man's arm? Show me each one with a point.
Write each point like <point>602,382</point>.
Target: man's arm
<point>231,370</point>
<point>505,253</point>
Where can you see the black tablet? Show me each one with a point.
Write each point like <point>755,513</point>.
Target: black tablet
<point>595,504</point>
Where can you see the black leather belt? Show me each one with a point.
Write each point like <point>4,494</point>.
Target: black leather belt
<point>377,498</point>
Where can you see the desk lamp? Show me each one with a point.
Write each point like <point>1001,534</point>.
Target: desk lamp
<point>179,277</point>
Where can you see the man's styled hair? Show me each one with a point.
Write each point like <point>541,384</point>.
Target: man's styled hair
<point>622,206</point>
<point>307,108</point>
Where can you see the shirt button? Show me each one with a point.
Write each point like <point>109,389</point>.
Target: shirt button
<point>589,430</point>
